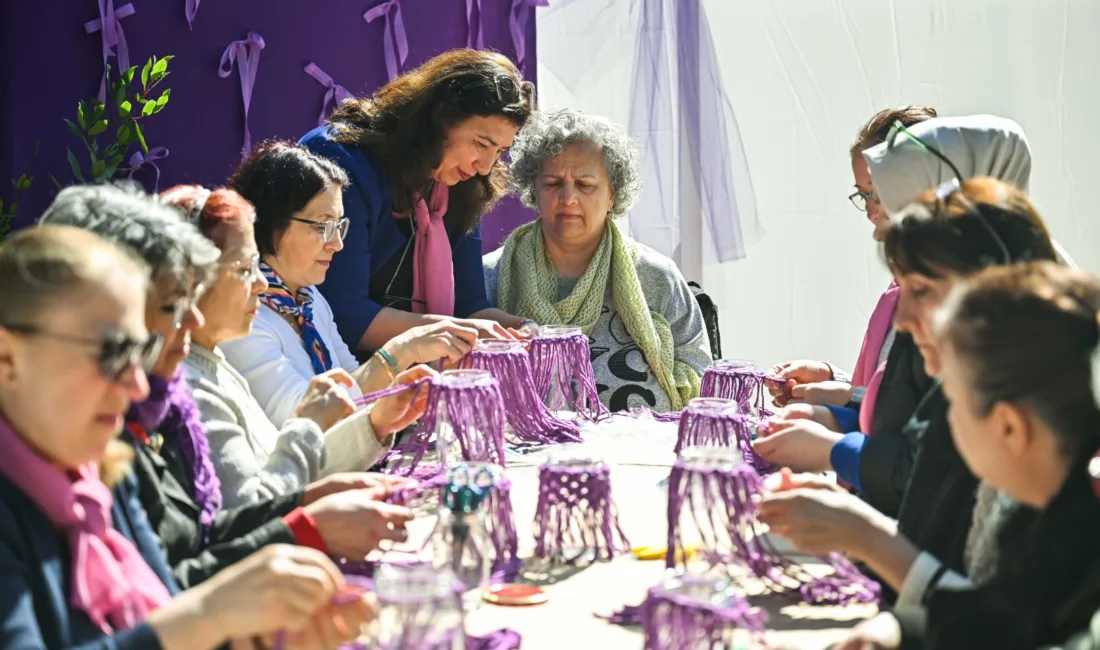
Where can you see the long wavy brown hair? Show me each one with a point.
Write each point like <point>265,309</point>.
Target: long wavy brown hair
<point>405,123</point>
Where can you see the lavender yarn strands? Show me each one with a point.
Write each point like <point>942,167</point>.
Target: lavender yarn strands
<point>689,612</point>
<point>576,520</point>
<point>561,364</point>
<point>527,414</point>
<point>710,421</point>
<point>463,420</point>
<point>738,380</point>
<point>418,610</point>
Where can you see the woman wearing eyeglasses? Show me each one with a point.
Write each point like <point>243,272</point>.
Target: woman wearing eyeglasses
<point>78,569</point>
<point>424,158</point>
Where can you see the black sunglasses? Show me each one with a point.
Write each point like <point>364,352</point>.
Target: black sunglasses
<point>117,352</point>
<point>952,188</point>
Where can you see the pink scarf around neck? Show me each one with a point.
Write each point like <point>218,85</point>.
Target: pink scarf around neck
<point>433,270</point>
<point>110,580</point>
<point>868,372</point>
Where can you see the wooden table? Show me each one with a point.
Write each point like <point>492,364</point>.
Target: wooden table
<point>640,456</point>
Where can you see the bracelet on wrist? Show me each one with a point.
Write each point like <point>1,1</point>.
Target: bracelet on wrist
<point>388,362</point>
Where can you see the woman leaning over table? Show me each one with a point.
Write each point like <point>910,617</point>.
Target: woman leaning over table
<point>78,570</point>
<point>423,155</point>
<point>575,266</point>
<point>299,231</point>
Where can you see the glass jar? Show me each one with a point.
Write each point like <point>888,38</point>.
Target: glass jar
<point>705,519</point>
<point>576,546</point>
<point>448,446</point>
<point>461,545</point>
<point>563,392</point>
<point>418,609</point>
<point>705,590</point>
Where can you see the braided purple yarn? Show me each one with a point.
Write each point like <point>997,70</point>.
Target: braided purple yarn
<point>714,422</point>
<point>561,364</point>
<point>737,380</point>
<point>716,489</point>
<point>469,401</point>
<point>531,421</point>
<point>576,513</point>
<point>678,621</point>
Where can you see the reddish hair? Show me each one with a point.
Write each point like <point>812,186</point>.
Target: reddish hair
<point>222,206</point>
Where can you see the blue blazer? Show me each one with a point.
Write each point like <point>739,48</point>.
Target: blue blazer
<point>373,238</point>
<point>35,610</point>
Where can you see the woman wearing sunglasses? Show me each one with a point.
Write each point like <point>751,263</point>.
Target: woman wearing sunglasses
<point>949,235</point>
<point>78,568</point>
<point>299,230</point>
<point>424,158</point>
<point>1026,419</point>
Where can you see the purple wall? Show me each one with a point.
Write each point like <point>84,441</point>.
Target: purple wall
<point>49,63</point>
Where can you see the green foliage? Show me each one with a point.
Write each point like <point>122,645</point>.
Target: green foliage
<point>109,132</point>
<point>9,210</point>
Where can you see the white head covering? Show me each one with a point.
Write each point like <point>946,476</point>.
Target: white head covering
<point>977,145</point>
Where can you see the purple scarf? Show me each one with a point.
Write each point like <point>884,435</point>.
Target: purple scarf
<point>171,411</point>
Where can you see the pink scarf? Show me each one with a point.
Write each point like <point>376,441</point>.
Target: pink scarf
<point>868,372</point>
<point>433,270</point>
<point>110,580</point>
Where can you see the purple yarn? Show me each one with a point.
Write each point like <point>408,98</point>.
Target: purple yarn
<point>627,616</point>
<point>180,420</point>
<point>531,421</point>
<point>564,363</point>
<point>714,422</point>
<point>670,416</point>
<point>719,495</point>
<point>576,512</point>
<point>739,381</point>
<point>678,621</point>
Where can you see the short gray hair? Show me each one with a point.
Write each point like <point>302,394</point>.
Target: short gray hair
<point>122,213</point>
<point>546,135</point>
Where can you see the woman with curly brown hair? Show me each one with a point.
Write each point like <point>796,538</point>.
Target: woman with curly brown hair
<point>423,157</point>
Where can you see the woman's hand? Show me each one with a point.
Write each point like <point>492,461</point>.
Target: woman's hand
<point>280,587</point>
<point>378,486</point>
<point>784,480</point>
<point>396,412</point>
<point>834,393</point>
<point>353,524</point>
<point>793,373</point>
<point>446,339</point>
<point>819,521</point>
<point>802,445</point>
<point>339,623</point>
<point>487,329</point>
<point>327,400</point>
<point>814,412</point>
<point>879,633</point>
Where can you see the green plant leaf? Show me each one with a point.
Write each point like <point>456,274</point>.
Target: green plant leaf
<point>75,167</point>
<point>23,183</point>
<point>73,127</point>
<point>98,170</point>
<point>115,160</point>
<point>1,206</point>
<point>128,76</point>
<point>82,115</point>
<point>141,138</point>
<point>148,108</point>
<point>125,136</point>
<point>97,110</point>
<point>98,128</point>
<point>162,101</point>
<point>159,68</point>
<point>145,72</point>
<point>124,108</point>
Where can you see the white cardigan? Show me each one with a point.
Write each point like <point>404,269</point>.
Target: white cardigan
<point>274,360</point>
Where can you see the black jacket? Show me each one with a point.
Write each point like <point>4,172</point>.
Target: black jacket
<point>174,515</point>
<point>1046,589</point>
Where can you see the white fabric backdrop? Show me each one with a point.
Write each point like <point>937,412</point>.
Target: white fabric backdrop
<point>803,75</point>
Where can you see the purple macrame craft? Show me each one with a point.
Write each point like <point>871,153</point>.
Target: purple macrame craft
<point>561,365</point>
<point>739,381</point>
<point>464,410</point>
<point>687,612</point>
<point>531,421</point>
<point>711,488</point>
<point>715,422</point>
<point>575,513</point>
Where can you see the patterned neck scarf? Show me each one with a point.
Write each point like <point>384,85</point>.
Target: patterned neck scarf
<point>299,307</point>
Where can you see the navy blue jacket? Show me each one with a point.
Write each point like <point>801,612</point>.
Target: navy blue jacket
<point>35,610</point>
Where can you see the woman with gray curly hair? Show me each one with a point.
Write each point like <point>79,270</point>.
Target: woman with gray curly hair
<point>575,266</point>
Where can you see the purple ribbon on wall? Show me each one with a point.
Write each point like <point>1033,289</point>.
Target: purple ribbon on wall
<point>517,24</point>
<point>396,44</point>
<point>246,54</point>
<point>335,93</point>
<point>112,37</point>
<point>192,9</point>
<point>139,159</point>
<point>472,27</point>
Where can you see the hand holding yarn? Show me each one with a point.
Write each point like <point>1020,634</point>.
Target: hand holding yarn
<point>834,393</point>
<point>340,622</point>
<point>802,445</point>
<point>378,486</point>
<point>327,401</point>
<point>445,339</point>
<point>879,633</point>
<point>487,329</point>
<point>793,373</point>
<point>785,480</point>
<point>395,412</point>
<point>353,524</point>
<point>804,411</point>
<point>820,521</point>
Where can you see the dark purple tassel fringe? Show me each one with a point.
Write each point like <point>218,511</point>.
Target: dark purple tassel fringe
<point>714,422</point>
<point>576,513</point>
<point>562,366</point>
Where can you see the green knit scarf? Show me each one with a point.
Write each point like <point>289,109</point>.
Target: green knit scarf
<point>527,286</point>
